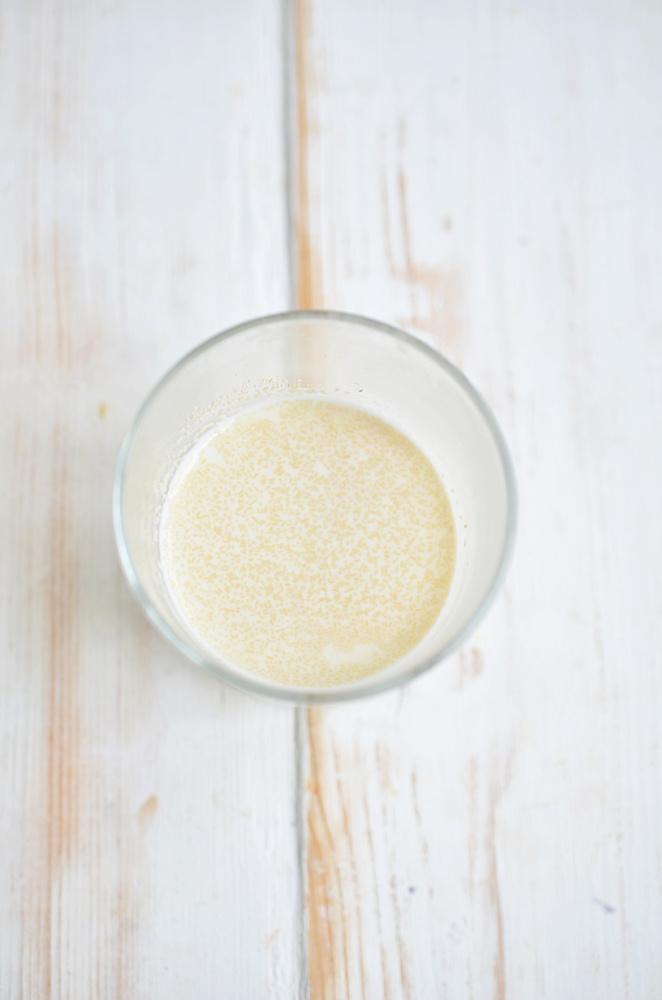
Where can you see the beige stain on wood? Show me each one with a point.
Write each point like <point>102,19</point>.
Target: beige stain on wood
<point>133,867</point>
<point>327,954</point>
<point>436,292</point>
<point>499,786</point>
<point>470,667</point>
<point>63,333</point>
<point>57,826</point>
<point>65,776</point>
<point>147,812</point>
<point>62,337</point>
<point>308,270</point>
<point>57,338</point>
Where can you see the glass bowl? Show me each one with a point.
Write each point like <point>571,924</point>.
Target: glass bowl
<point>350,360</point>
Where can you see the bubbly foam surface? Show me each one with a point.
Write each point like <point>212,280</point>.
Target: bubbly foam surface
<point>309,542</point>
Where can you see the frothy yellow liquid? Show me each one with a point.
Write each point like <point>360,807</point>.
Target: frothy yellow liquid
<point>308,542</point>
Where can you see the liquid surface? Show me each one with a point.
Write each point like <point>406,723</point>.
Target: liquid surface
<point>309,542</point>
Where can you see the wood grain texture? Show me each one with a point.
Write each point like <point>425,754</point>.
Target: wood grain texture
<point>148,814</point>
<point>486,175</point>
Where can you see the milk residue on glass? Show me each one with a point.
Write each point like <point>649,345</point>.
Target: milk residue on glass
<point>308,542</point>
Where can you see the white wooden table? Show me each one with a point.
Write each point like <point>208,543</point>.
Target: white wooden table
<point>486,174</point>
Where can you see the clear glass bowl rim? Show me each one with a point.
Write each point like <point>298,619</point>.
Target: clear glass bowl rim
<point>250,683</point>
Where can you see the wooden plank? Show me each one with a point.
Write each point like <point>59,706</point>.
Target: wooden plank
<point>487,175</point>
<point>148,813</point>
